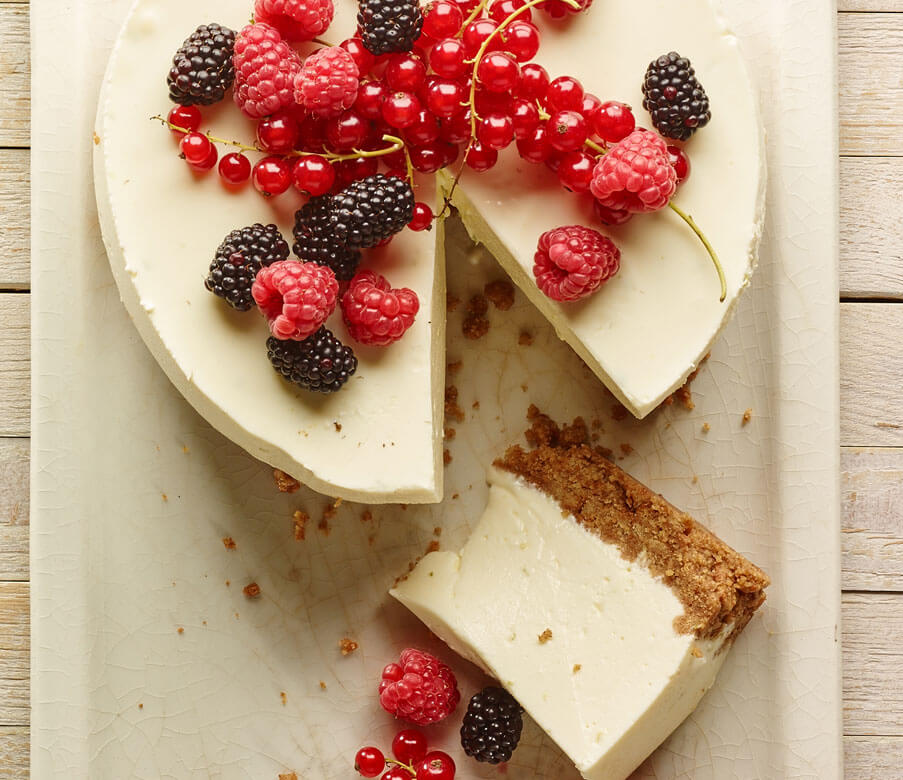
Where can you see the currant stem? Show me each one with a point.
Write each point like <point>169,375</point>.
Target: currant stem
<point>403,765</point>
<point>705,242</point>
<point>473,16</point>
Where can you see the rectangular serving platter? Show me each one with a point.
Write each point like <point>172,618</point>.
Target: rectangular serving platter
<point>147,659</point>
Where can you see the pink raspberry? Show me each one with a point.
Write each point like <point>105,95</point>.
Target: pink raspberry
<point>419,688</point>
<point>328,81</point>
<point>375,313</point>
<point>265,70</point>
<point>296,298</point>
<point>636,175</point>
<point>296,20</point>
<point>573,262</point>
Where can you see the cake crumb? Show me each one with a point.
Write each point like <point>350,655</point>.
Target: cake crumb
<point>229,543</point>
<point>577,668</point>
<point>500,293</point>
<point>545,636</point>
<point>338,427</point>
<point>185,449</point>
<point>626,449</point>
<point>228,583</point>
<point>475,405</point>
<point>695,652</point>
<point>453,368</point>
<point>252,590</point>
<point>525,339</point>
<point>450,433</point>
<point>747,416</point>
<point>706,427</point>
<point>347,646</point>
<point>322,685</point>
<point>289,776</point>
<point>366,516</point>
<point>433,546</point>
<point>605,452</point>
<point>299,524</point>
<point>475,324</point>
<point>285,483</point>
<point>96,139</point>
<point>452,409</point>
<point>371,539</point>
<point>524,387</point>
<point>619,411</point>
<point>164,496</point>
<point>437,531</point>
<point>456,496</point>
<point>446,457</point>
<point>140,705</point>
<point>451,302</point>
<point>180,630</point>
<point>283,697</point>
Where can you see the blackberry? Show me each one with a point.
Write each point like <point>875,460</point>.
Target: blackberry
<point>371,210</point>
<point>202,68</point>
<point>389,25</point>
<point>315,241</point>
<point>492,726</point>
<point>320,363</point>
<point>241,255</point>
<point>675,98</point>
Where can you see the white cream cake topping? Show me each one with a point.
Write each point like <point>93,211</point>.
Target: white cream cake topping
<point>581,637</point>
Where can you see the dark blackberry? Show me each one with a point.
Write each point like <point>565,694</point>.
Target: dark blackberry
<point>371,210</point>
<point>389,25</point>
<point>241,255</point>
<point>675,98</point>
<point>492,726</point>
<point>315,240</point>
<point>202,69</point>
<point>320,363</point>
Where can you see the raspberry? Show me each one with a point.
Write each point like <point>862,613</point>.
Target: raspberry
<point>296,20</point>
<point>675,98</point>
<point>328,81</point>
<point>375,313</point>
<point>265,70</point>
<point>371,210</point>
<point>320,363</point>
<point>241,255</point>
<point>296,298</point>
<point>202,68</point>
<point>636,175</point>
<point>419,688</point>
<point>492,726</point>
<point>573,262</point>
<point>389,25</point>
<point>315,242</point>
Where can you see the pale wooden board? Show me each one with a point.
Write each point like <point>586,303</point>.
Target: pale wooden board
<point>14,683</point>
<point>13,510</point>
<point>15,99</point>
<point>14,364</point>
<point>14,752</point>
<point>872,758</point>
<point>14,227</point>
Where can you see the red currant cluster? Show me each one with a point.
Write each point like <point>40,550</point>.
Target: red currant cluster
<point>412,760</point>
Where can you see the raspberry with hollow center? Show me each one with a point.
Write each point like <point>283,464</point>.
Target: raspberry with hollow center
<point>328,82</point>
<point>265,69</point>
<point>296,20</point>
<point>296,298</point>
<point>636,175</point>
<point>375,313</point>
<point>419,688</point>
<point>573,262</point>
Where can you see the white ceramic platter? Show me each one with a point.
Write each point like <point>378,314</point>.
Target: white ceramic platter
<point>133,492</point>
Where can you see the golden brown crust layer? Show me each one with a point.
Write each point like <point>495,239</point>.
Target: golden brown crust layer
<point>717,586</point>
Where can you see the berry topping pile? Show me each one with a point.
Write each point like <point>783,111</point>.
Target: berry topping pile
<point>419,688</point>
<point>492,726</point>
<point>241,255</point>
<point>675,98</point>
<point>296,20</point>
<point>315,241</point>
<point>265,71</point>
<point>371,210</point>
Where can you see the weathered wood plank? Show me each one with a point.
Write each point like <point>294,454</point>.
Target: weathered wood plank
<point>14,364</point>
<point>14,752</point>
<point>14,509</point>
<point>14,654</point>
<point>15,75</point>
<point>14,227</point>
<point>858,6</point>
<point>872,758</point>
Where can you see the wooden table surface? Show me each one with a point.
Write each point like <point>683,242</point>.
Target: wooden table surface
<point>871,277</point>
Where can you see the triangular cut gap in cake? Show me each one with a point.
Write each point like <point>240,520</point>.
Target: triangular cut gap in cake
<point>604,610</point>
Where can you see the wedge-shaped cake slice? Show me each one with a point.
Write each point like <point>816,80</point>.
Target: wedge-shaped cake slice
<point>605,611</point>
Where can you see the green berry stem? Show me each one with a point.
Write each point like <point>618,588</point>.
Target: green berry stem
<point>481,6</point>
<point>705,242</point>
<point>403,765</point>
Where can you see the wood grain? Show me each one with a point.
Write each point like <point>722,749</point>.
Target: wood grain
<point>14,364</point>
<point>14,510</point>
<point>14,642</point>
<point>14,752</point>
<point>873,758</point>
<point>15,75</point>
<point>15,180</point>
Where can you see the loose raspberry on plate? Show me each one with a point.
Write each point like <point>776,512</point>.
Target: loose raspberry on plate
<point>636,175</point>
<point>296,20</point>
<point>328,82</point>
<point>375,313</point>
<point>573,262</point>
<point>296,298</point>
<point>419,688</point>
<point>265,70</point>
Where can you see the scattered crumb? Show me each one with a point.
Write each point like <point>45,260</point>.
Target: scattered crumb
<point>322,685</point>
<point>475,324</point>
<point>456,496</point>
<point>450,433</point>
<point>371,539</point>
<point>185,449</point>
<point>347,646</point>
<point>164,496</point>
<point>747,416</point>
<point>323,526</point>
<point>695,479</point>
<point>524,387</point>
<point>605,452</point>
<point>285,483</point>
<point>299,524</point>
<point>404,507</point>
<point>619,411</point>
<point>180,630</point>
<point>289,775</point>
<point>501,293</point>
<point>696,652</point>
<point>236,616</point>
<point>706,427</point>
<point>433,546</point>
<point>475,405</point>
<point>366,516</point>
<point>140,705</point>
<point>453,368</point>
<point>626,449</point>
<point>577,668</point>
<point>451,302</point>
<point>437,531</point>
<point>228,583</point>
<point>545,636</point>
<point>96,139</point>
<point>252,591</point>
<point>446,457</point>
<point>229,543</point>
<point>596,424</point>
<point>283,697</point>
<point>203,622</point>
<point>525,339</point>
<point>338,427</point>
<point>452,410</point>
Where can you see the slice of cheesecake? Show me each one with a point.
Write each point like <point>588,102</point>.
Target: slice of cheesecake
<point>605,611</point>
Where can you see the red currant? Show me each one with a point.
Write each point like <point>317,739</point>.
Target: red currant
<point>278,134</point>
<point>495,131</point>
<point>476,33</point>
<point>428,158</point>
<point>456,129</point>
<point>313,174</point>
<point>553,162</point>
<point>480,159</point>
<point>502,9</point>
<point>611,217</point>
<point>348,171</point>
<point>359,53</point>
<point>447,59</point>
<point>466,6</point>
<point>405,73</point>
<point>614,121</point>
<point>567,131</point>
<point>424,130</point>
<point>575,172</point>
<point>195,148</point>
<point>444,19</point>
<point>524,117</point>
<point>534,81</point>
<point>369,101</point>
<point>397,773</point>
<point>401,109</point>
<point>450,153</point>
<point>492,103</point>
<point>370,762</point>
<point>564,94</point>
<point>521,39</point>
<point>272,176</point>
<point>346,132</point>
<point>445,98</point>
<point>313,133</point>
<point>535,147</point>
<point>210,161</point>
<point>435,765</point>
<point>590,107</point>
<point>498,72</point>
<point>406,745</point>
<point>235,168</point>
<point>680,163</point>
<point>187,117</point>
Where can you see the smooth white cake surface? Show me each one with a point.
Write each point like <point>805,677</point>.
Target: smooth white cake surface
<point>612,678</point>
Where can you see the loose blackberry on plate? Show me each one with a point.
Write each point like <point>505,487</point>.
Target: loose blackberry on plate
<point>492,726</point>
<point>320,363</point>
<point>674,97</point>
<point>241,255</point>
<point>202,68</point>
<point>371,210</point>
<point>315,240</point>
<point>389,25</point>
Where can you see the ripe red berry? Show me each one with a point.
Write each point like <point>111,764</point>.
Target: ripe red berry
<point>347,171</point>
<point>521,38</point>
<point>400,110</point>
<point>450,153</point>
<point>369,101</point>
<point>492,103</point>
<point>422,220</point>
<point>235,168</point>
<point>424,130</point>
<point>534,82</point>
<point>195,149</point>
<point>456,129</point>
<point>272,176</point>
<point>428,158</point>
<point>535,147</point>
<point>397,773</point>
<point>476,33</point>
<point>524,117</point>
<point>498,72</point>
<point>442,20</point>
<point>575,171</point>
<point>466,6</point>
<point>313,174</point>
<point>187,117</point>
<point>564,94</point>
<point>410,745</point>
<point>435,765</point>
<point>481,158</point>
<point>496,131</point>
<point>405,72</point>
<point>313,133</point>
<point>447,59</point>
<point>445,98</point>
<point>614,121</point>
<point>590,107</point>
<point>567,131</point>
<point>278,134</point>
<point>500,10</point>
<point>346,132</point>
<point>611,217</point>
<point>680,163</point>
<point>359,53</point>
<point>369,761</point>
